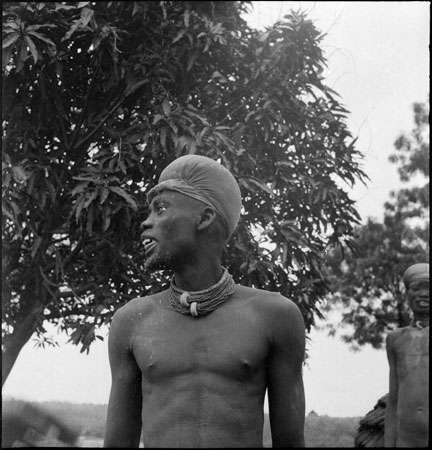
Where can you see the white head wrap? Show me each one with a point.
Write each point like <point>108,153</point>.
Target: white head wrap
<point>416,272</point>
<point>205,180</point>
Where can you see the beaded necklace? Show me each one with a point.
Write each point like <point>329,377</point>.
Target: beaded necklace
<point>200,303</point>
<point>418,324</point>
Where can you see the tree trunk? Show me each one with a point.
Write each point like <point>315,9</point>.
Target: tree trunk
<point>13,343</point>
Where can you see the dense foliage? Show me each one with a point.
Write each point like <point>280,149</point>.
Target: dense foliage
<point>368,284</point>
<point>98,97</point>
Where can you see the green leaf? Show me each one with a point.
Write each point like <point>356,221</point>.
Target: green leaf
<point>186,17</point>
<point>41,37</point>
<point>157,118</point>
<point>106,217</point>
<point>58,263</point>
<point>192,147</point>
<point>11,39</point>
<point>122,166</point>
<point>30,184</point>
<point>163,136</point>
<point>200,117</point>
<point>35,247</point>
<point>78,208</point>
<point>58,68</point>
<point>260,184</point>
<point>22,56</point>
<point>81,187</point>
<point>166,107</point>
<point>38,27</point>
<point>59,6</point>
<point>10,25</point>
<point>20,174</point>
<point>136,86</point>
<point>88,179</point>
<point>90,219</point>
<point>103,195</point>
<point>6,59</point>
<point>75,337</point>
<point>119,191</point>
<point>7,213</point>
<point>263,36</point>
<point>191,61</point>
<point>179,36</point>
<point>86,15</point>
<point>71,30</point>
<point>224,138</point>
<point>51,190</point>
<point>90,199</point>
<point>32,48</point>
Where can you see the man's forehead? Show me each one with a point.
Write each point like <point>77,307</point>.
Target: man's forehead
<point>418,283</point>
<point>170,196</point>
<point>165,194</point>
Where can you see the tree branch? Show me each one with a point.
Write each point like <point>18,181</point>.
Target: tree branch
<point>84,110</point>
<point>117,105</point>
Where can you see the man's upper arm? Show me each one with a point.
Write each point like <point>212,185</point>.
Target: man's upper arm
<point>123,426</point>
<point>391,356</point>
<point>284,375</point>
<point>390,430</point>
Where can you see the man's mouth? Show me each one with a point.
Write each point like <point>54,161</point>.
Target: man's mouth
<point>423,303</point>
<point>149,245</point>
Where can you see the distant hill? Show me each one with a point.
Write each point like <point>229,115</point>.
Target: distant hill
<point>323,431</point>
<point>320,431</point>
<point>87,418</point>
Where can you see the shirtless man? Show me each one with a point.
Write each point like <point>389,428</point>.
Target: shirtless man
<point>190,365</point>
<point>407,410</point>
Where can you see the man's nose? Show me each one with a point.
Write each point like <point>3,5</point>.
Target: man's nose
<point>146,224</point>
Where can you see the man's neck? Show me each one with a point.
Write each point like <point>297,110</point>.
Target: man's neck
<point>198,276</point>
<point>421,320</point>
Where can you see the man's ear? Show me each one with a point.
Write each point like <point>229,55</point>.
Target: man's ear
<point>206,217</point>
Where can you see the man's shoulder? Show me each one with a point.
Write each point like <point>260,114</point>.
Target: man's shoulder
<point>262,294</point>
<point>140,305</point>
<point>398,335</point>
<point>402,330</point>
<point>269,302</point>
<point>394,334</point>
<point>280,316</point>
<point>250,291</point>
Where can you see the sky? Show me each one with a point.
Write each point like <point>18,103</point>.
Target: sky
<point>378,61</point>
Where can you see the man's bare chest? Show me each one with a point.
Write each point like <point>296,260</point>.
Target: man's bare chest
<point>413,343</point>
<point>170,345</point>
<point>412,354</point>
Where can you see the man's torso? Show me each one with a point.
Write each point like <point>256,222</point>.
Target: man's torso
<point>203,379</point>
<point>411,346</point>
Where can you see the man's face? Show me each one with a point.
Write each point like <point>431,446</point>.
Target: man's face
<point>418,295</point>
<point>170,230</point>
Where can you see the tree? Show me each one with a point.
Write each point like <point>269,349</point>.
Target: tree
<point>367,284</point>
<point>98,97</point>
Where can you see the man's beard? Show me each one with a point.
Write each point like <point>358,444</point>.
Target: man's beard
<point>157,262</point>
<point>165,261</point>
